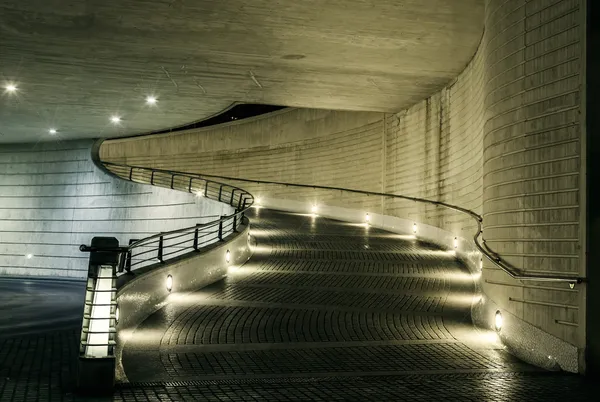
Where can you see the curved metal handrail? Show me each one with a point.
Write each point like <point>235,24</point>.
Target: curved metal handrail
<point>483,248</point>
<point>203,233</point>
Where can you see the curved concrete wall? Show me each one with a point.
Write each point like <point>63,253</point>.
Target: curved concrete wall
<point>502,140</point>
<point>53,198</point>
<point>532,151</point>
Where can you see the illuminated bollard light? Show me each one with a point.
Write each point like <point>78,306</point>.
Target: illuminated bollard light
<point>228,256</point>
<point>456,242</point>
<point>414,228</point>
<point>367,218</point>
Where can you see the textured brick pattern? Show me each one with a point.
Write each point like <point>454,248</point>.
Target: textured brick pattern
<point>532,155</point>
<point>53,198</point>
<point>38,367</point>
<point>452,387</point>
<point>301,322</point>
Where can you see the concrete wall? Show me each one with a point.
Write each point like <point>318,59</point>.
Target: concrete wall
<point>53,198</point>
<point>503,139</point>
<point>532,151</point>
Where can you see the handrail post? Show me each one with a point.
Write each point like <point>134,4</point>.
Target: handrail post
<point>172,181</point>
<point>243,209</point>
<point>235,223</point>
<point>232,195</point>
<point>206,189</point>
<point>152,178</point>
<point>160,248</point>
<point>131,174</point>
<point>190,185</point>
<point>221,229</point>
<point>129,256</point>
<point>220,192</point>
<point>239,203</point>
<point>196,237</point>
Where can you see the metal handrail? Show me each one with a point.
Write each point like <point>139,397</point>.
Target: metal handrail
<point>483,248</point>
<point>236,197</point>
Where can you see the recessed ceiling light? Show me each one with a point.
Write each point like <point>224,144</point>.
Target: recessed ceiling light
<point>11,88</point>
<point>115,119</point>
<point>52,131</point>
<point>151,100</point>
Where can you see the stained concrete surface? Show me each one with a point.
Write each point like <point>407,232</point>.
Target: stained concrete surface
<point>77,63</point>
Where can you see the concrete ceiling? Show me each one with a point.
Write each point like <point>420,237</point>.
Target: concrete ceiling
<point>76,63</point>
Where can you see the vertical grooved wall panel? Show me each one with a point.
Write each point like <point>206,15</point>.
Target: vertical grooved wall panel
<point>531,152</point>
<point>433,151</point>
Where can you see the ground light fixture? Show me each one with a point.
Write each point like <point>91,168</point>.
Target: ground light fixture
<point>498,320</point>
<point>169,282</point>
<point>314,209</point>
<point>414,228</point>
<point>11,88</point>
<point>199,193</point>
<point>117,313</point>
<point>228,256</point>
<point>456,242</point>
<point>115,119</point>
<point>52,131</point>
<point>151,100</point>
<point>367,218</point>
<point>29,256</point>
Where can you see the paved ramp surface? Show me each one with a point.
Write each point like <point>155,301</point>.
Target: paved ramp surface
<point>325,310</point>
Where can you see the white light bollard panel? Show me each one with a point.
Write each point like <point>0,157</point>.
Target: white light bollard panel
<point>96,374</point>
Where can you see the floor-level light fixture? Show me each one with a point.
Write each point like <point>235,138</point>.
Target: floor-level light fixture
<point>498,321</point>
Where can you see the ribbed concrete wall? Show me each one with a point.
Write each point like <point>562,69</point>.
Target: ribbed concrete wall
<point>433,151</point>
<point>295,145</point>
<point>532,158</point>
<point>53,198</point>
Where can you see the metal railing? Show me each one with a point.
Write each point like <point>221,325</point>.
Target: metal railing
<point>165,246</point>
<point>480,244</point>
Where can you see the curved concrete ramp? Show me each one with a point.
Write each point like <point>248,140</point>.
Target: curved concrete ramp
<point>320,303</point>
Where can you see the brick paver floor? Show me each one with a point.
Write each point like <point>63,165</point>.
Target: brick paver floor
<point>324,311</point>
